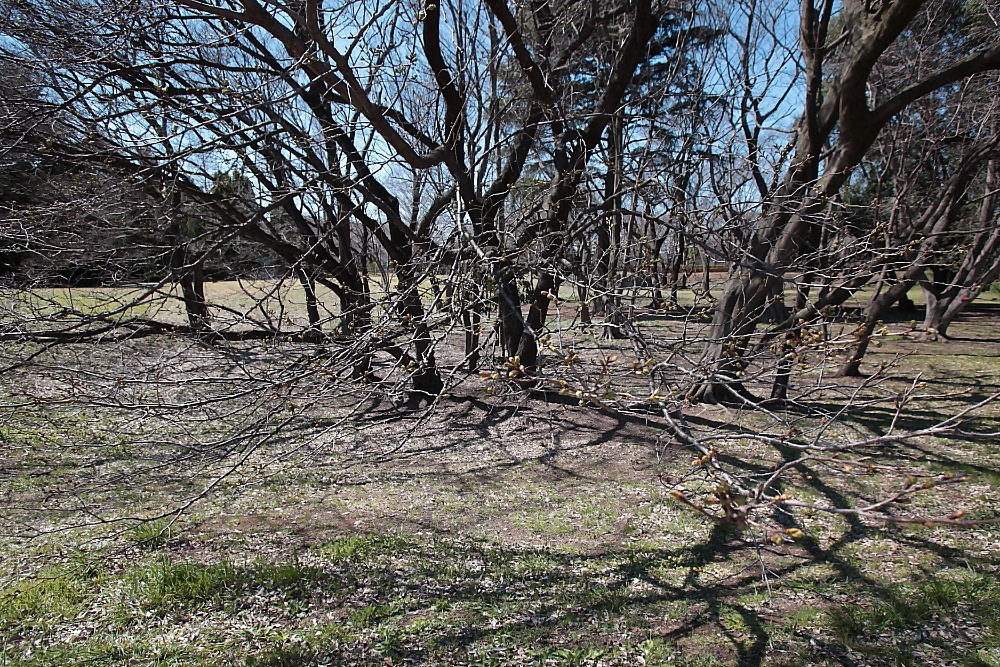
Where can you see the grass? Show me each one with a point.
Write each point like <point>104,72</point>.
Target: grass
<point>161,587</point>
<point>910,605</point>
<point>364,599</point>
<point>904,624</point>
<point>486,535</point>
<point>52,597</point>
<point>154,534</point>
<point>279,302</point>
<point>359,547</point>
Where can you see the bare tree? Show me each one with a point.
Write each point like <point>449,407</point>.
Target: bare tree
<point>837,128</point>
<point>410,172</point>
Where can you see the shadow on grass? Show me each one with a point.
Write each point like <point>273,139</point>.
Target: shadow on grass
<point>439,596</point>
<point>477,603</point>
<point>486,600</point>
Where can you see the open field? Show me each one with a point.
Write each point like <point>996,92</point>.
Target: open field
<point>282,303</point>
<point>489,531</point>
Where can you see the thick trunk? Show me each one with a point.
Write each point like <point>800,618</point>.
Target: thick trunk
<point>609,234</point>
<point>852,365</point>
<point>308,283</point>
<point>511,320</point>
<point>965,297</point>
<point>546,287</point>
<point>779,312</point>
<point>906,304</point>
<point>189,277</point>
<point>953,290</point>
<point>777,242</point>
<point>355,315</point>
<point>786,362</point>
<point>520,334</point>
<point>934,309</point>
<point>838,104</point>
<point>933,224</point>
<point>956,307</point>
<point>193,293</point>
<point>723,360</point>
<point>602,281</point>
<point>615,324</point>
<point>425,379</point>
<point>706,275</point>
<point>657,272</point>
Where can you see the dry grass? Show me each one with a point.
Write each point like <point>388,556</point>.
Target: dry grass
<point>486,532</point>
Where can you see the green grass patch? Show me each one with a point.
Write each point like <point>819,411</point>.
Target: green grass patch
<point>362,547</point>
<point>162,587</point>
<point>111,651</point>
<point>52,597</point>
<point>324,644</point>
<point>156,533</point>
<point>907,616</point>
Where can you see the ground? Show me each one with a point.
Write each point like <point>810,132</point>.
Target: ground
<point>491,531</point>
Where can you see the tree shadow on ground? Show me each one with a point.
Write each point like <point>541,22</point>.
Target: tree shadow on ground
<point>580,593</point>
<point>669,595</point>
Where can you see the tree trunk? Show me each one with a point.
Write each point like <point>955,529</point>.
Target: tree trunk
<point>722,359</point>
<point>786,362</point>
<point>706,275</point>
<point>190,278</point>
<point>934,309</point>
<point>581,291</point>
<point>675,269</point>
<point>873,312</point>
<point>951,291</point>
<point>308,283</point>
<point>852,365</point>
<point>599,303</point>
<point>472,321</point>
<point>657,271</point>
<point>425,379</point>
